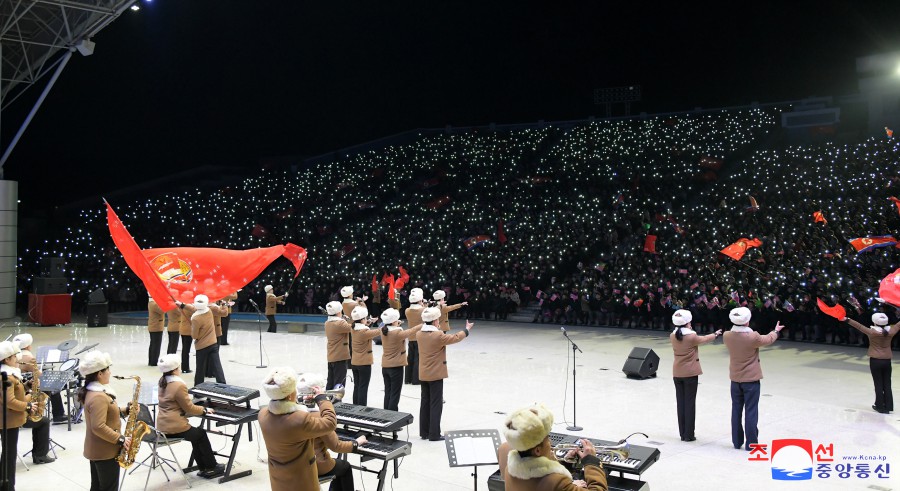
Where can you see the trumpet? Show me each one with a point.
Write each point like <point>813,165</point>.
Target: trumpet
<point>334,395</point>
<point>618,452</point>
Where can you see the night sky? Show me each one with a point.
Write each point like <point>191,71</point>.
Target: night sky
<point>185,83</point>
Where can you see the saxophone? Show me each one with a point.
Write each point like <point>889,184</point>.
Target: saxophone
<point>38,398</point>
<point>134,429</point>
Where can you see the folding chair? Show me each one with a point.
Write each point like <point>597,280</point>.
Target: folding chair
<point>22,461</point>
<point>325,480</point>
<point>156,439</point>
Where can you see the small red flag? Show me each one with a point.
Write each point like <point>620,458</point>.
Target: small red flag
<point>865,244</point>
<point>737,250</point>
<point>819,217</point>
<point>374,283</point>
<point>889,132</point>
<point>650,244</point>
<point>404,278</point>
<point>837,311</point>
<point>889,290</point>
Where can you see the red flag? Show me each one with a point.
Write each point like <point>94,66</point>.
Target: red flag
<point>889,132</point>
<point>374,283</point>
<point>392,292</point>
<point>650,244</point>
<point>180,273</point>
<point>896,202</point>
<point>737,250</point>
<point>865,244</point>
<point>501,236</point>
<point>837,311</point>
<point>404,278</point>
<point>889,290</point>
<point>819,217</point>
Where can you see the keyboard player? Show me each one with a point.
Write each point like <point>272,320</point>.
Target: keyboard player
<point>174,406</point>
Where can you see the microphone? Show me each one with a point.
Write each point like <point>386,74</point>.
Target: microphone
<point>563,329</point>
<point>253,302</point>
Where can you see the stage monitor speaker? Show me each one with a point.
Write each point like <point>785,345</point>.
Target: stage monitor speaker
<point>641,363</point>
<point>98,314</point>
<point>97,296</point>
<point>53,267</point>
<point>49,286</point>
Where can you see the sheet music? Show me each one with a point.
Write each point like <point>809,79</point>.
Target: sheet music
<point>53,356</point>
<point>471,451</point>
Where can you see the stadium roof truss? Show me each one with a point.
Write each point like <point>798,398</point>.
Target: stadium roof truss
<point>37,39</point>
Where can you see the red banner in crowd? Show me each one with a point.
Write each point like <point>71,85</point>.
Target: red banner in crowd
<point>650,244</point>
<point>865,244</point>
<point>889,290</point>
<point>473,242</point>
<point>837,311</point>
<point>818,217</point>
<point>180,273</point>
<point>737,250</point>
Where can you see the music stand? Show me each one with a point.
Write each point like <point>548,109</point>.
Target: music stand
<point>50,355</point>
<point>467,448</point>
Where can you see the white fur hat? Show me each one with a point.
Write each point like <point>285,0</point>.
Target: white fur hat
<point>201,303</point>
<point>93,362</point>
<point>359,313</point>
<point>681,317</point>
<point>168,362</point>
<point>24,340</point>
<point>526,428</point>
<point>416,295</point>
<point>333,308</point>
<point>306,381</point>
<point>268,288</point>
<point>431,314</point>
<point>740,316</point>
<point>347,291</point>
<point>439,295</point>
<point>280,383</point>
<point>390,316</point>
<point>7,349</point>
<point>880,319</point>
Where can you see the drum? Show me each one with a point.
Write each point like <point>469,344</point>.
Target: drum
<point>69,365</point>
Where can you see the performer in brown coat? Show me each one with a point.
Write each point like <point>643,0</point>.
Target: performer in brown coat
<point>686,370</point>
<point>17,410</point>
<point>745,373</point>
<point>361,357</point>
<point>203,332</point>
<point>880,336</point>
<point>433,370</point>
<point>28,364</point>
<point>349,302</point>
<point>103,437</point>
<point>414,318</point>
<point>175,405</point>
<point>184,329</point>
<point>226,320</point>
<point>527,460</point>
<point>156,320</point>
<point>337,332</point>
<point>440,297</point>
<point>272,303</point>
<point>393,356</point>
<point>290,430</point>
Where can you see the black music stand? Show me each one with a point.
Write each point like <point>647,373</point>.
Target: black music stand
<point>50,355</point>
<point>52,382</point>
<point>472,448</point>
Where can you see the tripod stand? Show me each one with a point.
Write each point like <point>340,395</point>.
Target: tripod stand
<point>575,347</point>
<point>259,330</point>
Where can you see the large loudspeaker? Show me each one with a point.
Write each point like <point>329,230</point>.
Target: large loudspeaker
<point>49,286</point>
<point>53,267</point>
<point>97,296</point>
<point>98,314</point>
<point>641,363</point>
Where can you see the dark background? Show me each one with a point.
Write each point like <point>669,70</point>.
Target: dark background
<point>185,83</point>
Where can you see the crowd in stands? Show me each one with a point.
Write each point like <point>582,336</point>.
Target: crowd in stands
<point>552,221</point>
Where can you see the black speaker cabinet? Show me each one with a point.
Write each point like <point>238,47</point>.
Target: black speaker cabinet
<point>49,286</point>
<point>53,267</point>
<point>641,363</point>
<point>97,314</point>
<point>97,296</point>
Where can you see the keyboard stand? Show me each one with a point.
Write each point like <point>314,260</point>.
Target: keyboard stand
<point>235,439</point>
<point>384,467</point>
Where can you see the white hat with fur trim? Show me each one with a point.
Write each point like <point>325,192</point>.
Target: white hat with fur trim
<point>7,349</point>
<point>201,303</point>
<point>390,316</point>
<point>740,316</point>
<point>416,295</point>
<point>359,313</point>
<point>333,308</point>
<point>681,317</point>
<point>347,291</point>
<point>24,340</point>
<point>880,319</point>
<point>431,314</point>
<point>526,428</point>
<point>439,295</point>
<point>268,288</point>
<point>280,383</point>
<point>93,362</point>
<point>168,362</point>
<point>306,381</point>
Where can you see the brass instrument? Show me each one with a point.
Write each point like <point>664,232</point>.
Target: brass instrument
<point>134,429</point>
<point>334,395</point>
<point>38,399</point>
<point>562,450</point>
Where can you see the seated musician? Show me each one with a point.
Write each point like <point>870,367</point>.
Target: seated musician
<point>325,464</point>
<point>28,363</point>
<point>527,460</point>
<point>175,405</point>
<point>289,430</point>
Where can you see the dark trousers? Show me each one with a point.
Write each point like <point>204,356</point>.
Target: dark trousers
<point>744,398</point>
<point>430,409</point>
<point>56,407</point>
<point>208,359</point>
<point>8,455</point>
<point>393,383</point>
<point>225,321</point>
<point>203,452</point>
<point>881,376</point>
<point>186,353</point>
<point>40,436</point>
<point>686,400</point>
<point>104,475</point>
<point>173,343</point>
<point>343,476</point>
<point>362,374</point>
<point>412,369</point>
<point>273,327</point>
<point>337,374</point>
<point>155,346</point>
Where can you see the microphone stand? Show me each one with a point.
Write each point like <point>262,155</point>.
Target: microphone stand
<point>575,347</point>
<point>259,330</point>
<point>7,450</point>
